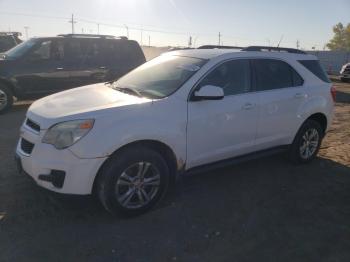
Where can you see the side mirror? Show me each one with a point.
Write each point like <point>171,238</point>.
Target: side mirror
<point>208,92</point>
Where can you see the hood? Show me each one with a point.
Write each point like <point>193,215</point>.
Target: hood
<point>79,102</point>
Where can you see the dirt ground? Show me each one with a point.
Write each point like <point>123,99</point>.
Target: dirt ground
<point>262,210</point>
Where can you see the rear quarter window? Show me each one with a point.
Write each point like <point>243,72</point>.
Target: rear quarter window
<point>314,67</point>
<point>275,74</point>
<point>126,53</point>
<point>135,53</point>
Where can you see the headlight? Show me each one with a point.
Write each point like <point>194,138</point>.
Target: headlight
<point>65,134</point>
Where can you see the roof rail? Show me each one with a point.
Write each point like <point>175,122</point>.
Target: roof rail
<point>92,35</point>
<point>271,48</point>
<point>218,47</point>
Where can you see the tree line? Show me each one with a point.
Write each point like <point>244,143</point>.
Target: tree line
<point>341,38</point>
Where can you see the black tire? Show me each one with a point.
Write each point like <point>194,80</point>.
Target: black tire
<point>112,171</point>
<point>7,96</point>
<point>296,154</point>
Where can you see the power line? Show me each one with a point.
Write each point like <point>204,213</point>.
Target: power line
<point>33,15</point>
<point>150,28</point>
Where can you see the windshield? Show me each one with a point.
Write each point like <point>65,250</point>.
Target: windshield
<point>20,49</point>
<point>160,77</point>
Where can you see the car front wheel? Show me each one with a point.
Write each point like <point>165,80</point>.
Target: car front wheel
<point>133,181</point>
<point>6,98</point>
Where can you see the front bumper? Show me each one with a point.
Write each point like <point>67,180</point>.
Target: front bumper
<point>56,170</point>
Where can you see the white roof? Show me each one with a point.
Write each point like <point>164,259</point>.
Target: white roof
<point>212,53</point>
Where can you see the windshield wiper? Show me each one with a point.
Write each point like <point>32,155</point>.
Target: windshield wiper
<point>127,90</point>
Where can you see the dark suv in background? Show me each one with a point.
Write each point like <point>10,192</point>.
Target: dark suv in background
<point>9,40</point>
<point>41,66</point>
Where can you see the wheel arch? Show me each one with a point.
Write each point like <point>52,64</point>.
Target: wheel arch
<point>321,119</point>
<point>9,85</point>
<point>170,157</point>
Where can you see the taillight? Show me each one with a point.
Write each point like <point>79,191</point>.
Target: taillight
<point>334,93</point>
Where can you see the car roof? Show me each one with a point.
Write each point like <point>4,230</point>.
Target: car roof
<point>208,54</point>
<point>85,37</point>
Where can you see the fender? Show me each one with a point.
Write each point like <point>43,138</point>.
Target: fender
<point>314,105</point>
<point>12,85</point>
<point>132,124</point>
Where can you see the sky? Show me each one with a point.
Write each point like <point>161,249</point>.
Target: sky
<point>172,22</point>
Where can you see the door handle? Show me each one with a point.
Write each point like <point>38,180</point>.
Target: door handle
<point>103,67</point>
<point>59,68</point>
<point>248,106</point>
<point>299,95</point>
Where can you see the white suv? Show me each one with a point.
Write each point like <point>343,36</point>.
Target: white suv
<point>127,140</point>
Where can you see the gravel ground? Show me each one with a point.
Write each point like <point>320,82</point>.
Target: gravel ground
<point>262,210</point>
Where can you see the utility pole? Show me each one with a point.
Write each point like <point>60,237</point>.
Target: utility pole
<point>72,21</point>
<point>298,44</point>
<point>98,29</point>
<point>127,31</point>
<point>190,42</point>
<point>149,41</point>
<point>220,38</point>
<point>26,28</point>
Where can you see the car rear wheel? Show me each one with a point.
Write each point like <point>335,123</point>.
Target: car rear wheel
<point>6,98</point>
<point>307,142</point>
<point>133,181</point>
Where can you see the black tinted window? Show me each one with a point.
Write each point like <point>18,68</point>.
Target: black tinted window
<point>48,50</point>
<point>275,74</point>
<point>124,53</point>
<point>73,50</point>
<point>57,50</point>
<point>315,67</point>
<point>42,51</point>
<point>92,51</point>
<point>232,76</point>
<point>297,80</point>
<point>135,53</point>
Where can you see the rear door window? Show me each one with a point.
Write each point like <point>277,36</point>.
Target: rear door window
<point>275,74</point>
<point>93,51</point>
<point>314,67</point>
<point>73,51</point>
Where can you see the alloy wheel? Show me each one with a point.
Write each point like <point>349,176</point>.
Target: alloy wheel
<point>137,185</point>
<point>309,143</point>
<point>3,100</point>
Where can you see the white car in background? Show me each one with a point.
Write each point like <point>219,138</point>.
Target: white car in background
<point>345,73</point>
<point>183,111</point>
